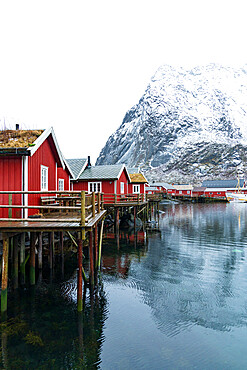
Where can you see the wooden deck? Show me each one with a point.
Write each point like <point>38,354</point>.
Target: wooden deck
<point>51,224</point>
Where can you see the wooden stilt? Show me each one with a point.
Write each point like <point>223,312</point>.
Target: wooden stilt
<point>91,258</point>
<point>40,250</point>
<point>16,264</point>
<point>100,244</point>
<point>61,251</point>
<point>134,218</point>
<point>32,258</point>
<point>51,246</point>
<point>79,281</point>
<point>4,273</point>
<point>95,245</point>
<point>22,258</point>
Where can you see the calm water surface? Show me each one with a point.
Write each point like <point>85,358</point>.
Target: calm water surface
<point>174,299</point>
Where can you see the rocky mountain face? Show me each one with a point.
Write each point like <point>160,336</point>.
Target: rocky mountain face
<point>189,125</point>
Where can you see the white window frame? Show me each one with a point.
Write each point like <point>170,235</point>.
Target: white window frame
<point>122,187</point>
<point>180,192</point>
<point>44,181</point>
<point>136,189</point>
<point>95,186</point>
<point>61,184</point>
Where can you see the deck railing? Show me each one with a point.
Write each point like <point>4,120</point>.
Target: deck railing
<point>155,197</point>
<point>61,206</point>
<point>123,199</point>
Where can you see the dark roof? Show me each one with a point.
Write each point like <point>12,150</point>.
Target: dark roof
<point>222,183</point>
<point>76,166</point>
<point>111,172</point>
<point>165,185</point>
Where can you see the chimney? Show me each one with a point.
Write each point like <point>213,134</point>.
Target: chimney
<point>17,126</point>
<point>88,162</point>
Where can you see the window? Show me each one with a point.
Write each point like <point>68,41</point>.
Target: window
<point>94,187</point>
<point>180,191</point>
<point>136,189</point>
<point>188,192</point>
<point>44,178</point>
<point>122,187</point>
<point>60,184</point>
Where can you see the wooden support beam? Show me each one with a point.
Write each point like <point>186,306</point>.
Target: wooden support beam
<point>40,250</point>
<point>22,259</point>
<point>134,218</point>
<point>61,251</point>
<point>96,246</point>
<point>16,262</point>
<point>51,248</point>
<point>4,273</point>
<point>83,215</point>
<point>32,258</point>
<point>91,258</point>
<point>100,245</point>
<point>79,280</point>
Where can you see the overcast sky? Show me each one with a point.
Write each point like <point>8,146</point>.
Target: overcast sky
<point>80,65</point>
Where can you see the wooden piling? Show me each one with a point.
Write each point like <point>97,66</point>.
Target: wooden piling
<point>22,259</point>
<point>40,250</point>
<point>61,251</point>
<point>4,273</point>
<point>83,214</point>
<point>16,264</point>
<point>79,280</point>
<point>91,258</point>
<point>32,258</point>
<point>95,246</point>
<point>51,249</point>
<point>100,244</point>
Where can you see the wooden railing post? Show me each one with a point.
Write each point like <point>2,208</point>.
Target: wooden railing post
<point>115,198</point>
<point>93,204</point>
<point>98,201</point>
<point>102,201</point>
<point>83,214</point>
<point>10,204</point>
<point>4,273</point>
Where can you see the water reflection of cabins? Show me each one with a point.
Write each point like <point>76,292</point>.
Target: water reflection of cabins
<point>117,256</point>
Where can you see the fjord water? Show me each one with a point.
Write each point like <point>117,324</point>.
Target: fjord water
<point>174,299</point>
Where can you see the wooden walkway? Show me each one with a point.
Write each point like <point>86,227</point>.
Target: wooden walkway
<point>50,224</point>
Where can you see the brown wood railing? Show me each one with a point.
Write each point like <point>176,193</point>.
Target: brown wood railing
<point>61,206</point>
<point>155,197</point>
<point>123,198</point>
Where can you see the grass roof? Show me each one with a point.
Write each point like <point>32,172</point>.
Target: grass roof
<point>18,138</point>
<point>137,177</point>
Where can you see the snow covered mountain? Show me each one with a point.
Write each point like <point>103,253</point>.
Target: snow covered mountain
<point>189,125</point>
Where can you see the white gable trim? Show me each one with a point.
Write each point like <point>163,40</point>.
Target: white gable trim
<point>83,168</point>
<point>39,141</point>
<point>121,170</point>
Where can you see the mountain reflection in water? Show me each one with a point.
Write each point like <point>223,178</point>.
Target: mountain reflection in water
<point>169,300</point>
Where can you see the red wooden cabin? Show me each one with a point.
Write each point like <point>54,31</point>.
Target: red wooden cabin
<point>138,183</point>
<point>29,161</point>
<point>108,179</point>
